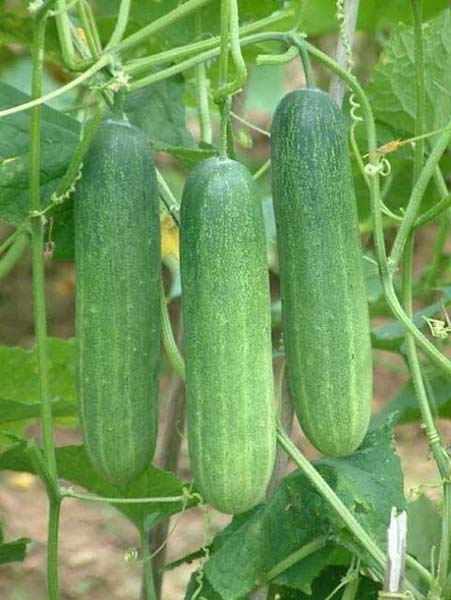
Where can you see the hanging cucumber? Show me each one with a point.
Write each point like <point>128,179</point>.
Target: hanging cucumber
<point>324,307</point>
<point>226,314</point>
<point>117,248</point>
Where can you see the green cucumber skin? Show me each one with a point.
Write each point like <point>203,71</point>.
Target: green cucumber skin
<point>227,324</point>
<point>117,250</point>
<point>325,319</point>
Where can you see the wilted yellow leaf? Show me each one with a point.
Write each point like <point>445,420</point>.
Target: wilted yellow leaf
<point>169,237</point>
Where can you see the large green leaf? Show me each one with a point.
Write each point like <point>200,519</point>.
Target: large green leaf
<point>19,379</point>
<point>403,407</point>
<point>392,92</point>
<point>19,385</point>
<point>423,529</point>
<point>159,111</point>
<point>369,482</point>
<point>318,16</point>
<point>74,466</point>
<point>59,138</point>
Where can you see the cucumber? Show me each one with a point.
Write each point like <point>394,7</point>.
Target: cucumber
<point>325,320</point>
<point>117,251</point>
<point>227,326</point>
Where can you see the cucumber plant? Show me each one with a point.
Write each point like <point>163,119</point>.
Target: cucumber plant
<point>79,182</point>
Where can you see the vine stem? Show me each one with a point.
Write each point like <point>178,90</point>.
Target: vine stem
<point>223,100</point>
<point>66,492</point>
<point>295,557</point>
<point>168,19</point>
<point>64,34</point>
<point>230,25</point>
<point>349,520</point>
<point>38,100</point>
<point>150,593</point>
<point>140,65</point>
<point>121,24</point>
<point>37,250</point>
<point>202,85</point>
<point>39,309</point>
<point>52,549</point>
<point>169,343</point>
<point>416,196</point>
<point>308,71</point>
<point>88,29</point>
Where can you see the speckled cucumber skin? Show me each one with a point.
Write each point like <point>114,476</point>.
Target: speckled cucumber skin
<point>117,249</point>
<point>226,314</point>
<point>325,318</point>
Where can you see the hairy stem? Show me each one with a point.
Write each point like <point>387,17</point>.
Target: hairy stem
<point>88,29</point>
<point>202,86</point>
<point>64,34</point>
<point>52,549</point>
<point>165,21</point>
<point>39,100</point>
<point>416,196</point>
<point>121,24</point>
<point>142,65</point>
<point>169,343</point>
<point>295,557</point>
<point>149,587</point>
<point>104,500</point>
<point>37,244</point>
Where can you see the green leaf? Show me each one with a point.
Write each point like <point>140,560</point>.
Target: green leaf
<point>190,157</point>
<point>19,379</point>
<point>403,407</point>
<point>13,410</point>
<point>390,336</point>
<point>12,551</point>
<point>74,466</point>
<point>423,529</point>
<point>323,587</point>
<point>19,382</point>
<point>369,482</point>
<point>392,92</point>
<point>159,110</point>
<point>15,27</point>
<point>144,12</point>
<point>63,231</point>
<point>318,16</point>
<point>59,138</point>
